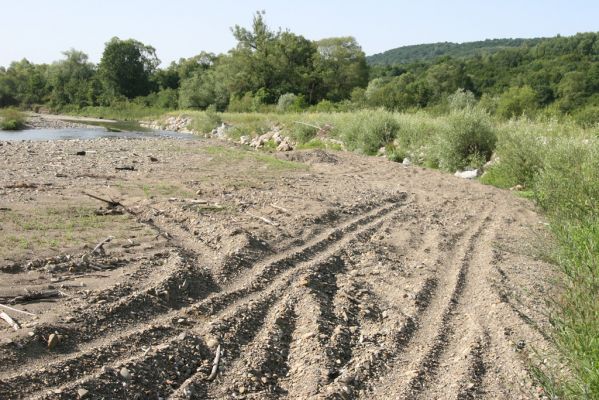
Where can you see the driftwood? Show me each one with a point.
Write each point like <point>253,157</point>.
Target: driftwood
<point>100,246</point>
<point>17,310</point>
<point>263,219</point>
<point>125,168</point>
<point>9,320</point>
<point>215,364</point>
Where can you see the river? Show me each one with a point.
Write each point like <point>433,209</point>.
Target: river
<point>88,133</point>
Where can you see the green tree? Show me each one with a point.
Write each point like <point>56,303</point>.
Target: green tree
<point>71,80</point>
<point>517,101</point>
<point>126,67</point>
<point>341,66</point>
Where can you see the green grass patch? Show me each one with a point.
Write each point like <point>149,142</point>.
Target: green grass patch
<point>222,153</point>
<point>11,119</point>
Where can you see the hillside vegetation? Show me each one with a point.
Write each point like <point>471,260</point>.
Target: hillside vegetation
<point>432,51</point>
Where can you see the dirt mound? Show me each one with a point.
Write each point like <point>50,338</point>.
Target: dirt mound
<point>311,157</point>
<point>350,278</point>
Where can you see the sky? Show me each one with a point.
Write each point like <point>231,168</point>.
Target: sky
<point>40,30</point>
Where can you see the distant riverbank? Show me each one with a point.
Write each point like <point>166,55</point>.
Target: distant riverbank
<point>57,121</point>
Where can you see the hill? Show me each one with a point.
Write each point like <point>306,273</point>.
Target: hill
<point>430,51</point>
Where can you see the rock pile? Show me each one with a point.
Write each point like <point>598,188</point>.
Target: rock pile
<point>175,124</point>
<point>282,143</point>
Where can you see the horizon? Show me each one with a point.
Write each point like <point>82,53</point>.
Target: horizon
<point>184,28</point>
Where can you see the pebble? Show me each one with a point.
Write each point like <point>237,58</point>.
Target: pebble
<point>53,340</point>
<point>82,393</point>
<point>125,373</point>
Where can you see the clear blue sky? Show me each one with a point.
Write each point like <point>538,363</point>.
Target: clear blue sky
<point>40,30</point>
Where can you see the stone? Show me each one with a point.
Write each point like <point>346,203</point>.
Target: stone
<point>125,373</point>
<point>245,140</point>
<point>407,162</point>
<point>285,146</point>
<point>82,393</point>
<point>471,174</point>
<point>53,340</point>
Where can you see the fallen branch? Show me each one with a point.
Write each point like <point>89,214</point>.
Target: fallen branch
<point>263,219</point>
<point>304,123</point>
<point>276,207</point>
<point>34,296</point>
<point>100,246</point>
<point>17,310</point>
<point>215,364</point>
<point>111,203</point>
<point>9,320</point>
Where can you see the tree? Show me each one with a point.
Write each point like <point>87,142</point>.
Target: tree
<point>341,66</point>
<point>126,67</point>
<point>517,101</point>
<point>71,80</point>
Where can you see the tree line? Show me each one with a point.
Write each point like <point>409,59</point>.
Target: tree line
<point>270,68</point>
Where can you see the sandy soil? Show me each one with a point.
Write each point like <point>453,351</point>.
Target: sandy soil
<point>316,275</point>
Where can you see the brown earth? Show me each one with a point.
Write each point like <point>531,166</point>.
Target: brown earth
<point>321,275</point>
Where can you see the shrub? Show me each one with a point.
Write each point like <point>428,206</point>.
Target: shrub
<point>290,102</point>
<point>206,121</point>
<point>567,190</point>
<point>461,99</point>
<point>520,158</point>
<point>467,141</point>
<point>11,119</point>
<point>588,116</point>
<point>303,133</point>
<point>368,131</point>
<point>517,101</point>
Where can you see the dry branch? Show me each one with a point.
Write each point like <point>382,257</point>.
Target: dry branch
<point>111,203</point>
<point>17,310</point>
<point>263,219</point>
<point>276,207</point>
<point>9,320</point>
<point>304,123</point>
<point>34,296</point>
<point>100,246</point>
<point>215,364</point>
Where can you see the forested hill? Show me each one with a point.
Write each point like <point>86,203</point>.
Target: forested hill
<point>431,51</point>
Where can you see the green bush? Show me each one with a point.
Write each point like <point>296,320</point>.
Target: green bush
<point>303,133</point>
<point>520,157</point>
<point>368,131</point>
<point>206,121</point>
<point>467,141</point>
<point>568,191</point>
<point>11,119</point>
<point>517,101</point>
<point>587,117</point>
<point>290,102</point>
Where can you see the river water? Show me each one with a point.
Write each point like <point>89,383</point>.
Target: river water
<point>88,133</point>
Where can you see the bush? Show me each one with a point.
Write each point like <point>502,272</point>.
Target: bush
<point>206,121</point>
<point>368,131</point>
<point>517,101</point>
<point>587,117</point>
<point>461,100</point>
<point>11,119</point>
<point>290,102</point>
<point>303,133</point>
<point>567,190</point>
<point>520,159</point>
<point>467,141</point>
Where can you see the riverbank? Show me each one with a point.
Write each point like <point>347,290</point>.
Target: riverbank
<point>59,121</point>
